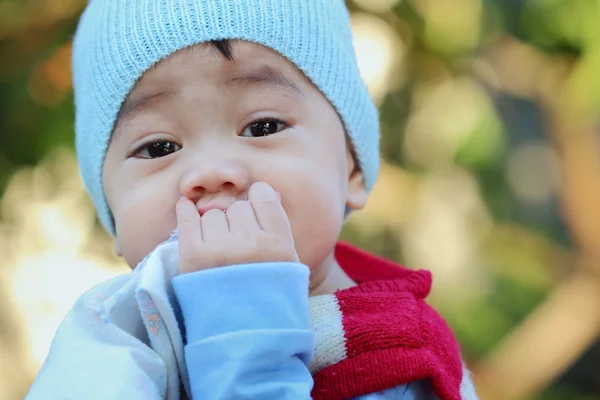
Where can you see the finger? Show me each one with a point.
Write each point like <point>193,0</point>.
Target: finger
<point>241,218</point>
<point>268,209</point>
<point>214,226</point>
<point>188,220</point>
<point>188,226</point>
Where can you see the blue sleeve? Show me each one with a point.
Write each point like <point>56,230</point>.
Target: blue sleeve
<point>248,332</point>
<point>420,390</point>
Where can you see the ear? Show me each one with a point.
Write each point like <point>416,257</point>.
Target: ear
<point>117,249</point>
<point>356,196</point>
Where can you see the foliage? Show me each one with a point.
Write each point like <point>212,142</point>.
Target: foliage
<point>471,181</point>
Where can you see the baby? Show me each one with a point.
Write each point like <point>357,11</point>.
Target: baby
<point>224,143</point>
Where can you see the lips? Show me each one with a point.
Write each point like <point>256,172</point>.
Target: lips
<point>222,204</point>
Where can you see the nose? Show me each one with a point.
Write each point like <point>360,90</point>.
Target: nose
<point>213,174</point>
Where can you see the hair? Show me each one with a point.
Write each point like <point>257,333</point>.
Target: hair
<point>223,46</point>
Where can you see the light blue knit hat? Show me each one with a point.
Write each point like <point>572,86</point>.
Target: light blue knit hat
<point>118,40</point>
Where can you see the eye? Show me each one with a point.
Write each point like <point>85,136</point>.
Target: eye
<point>264,127</point>
<point>156,149</point>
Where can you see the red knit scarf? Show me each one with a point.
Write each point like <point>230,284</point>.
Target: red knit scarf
<point>385,334</point>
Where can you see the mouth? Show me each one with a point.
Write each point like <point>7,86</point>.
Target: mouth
<point>216,204</point>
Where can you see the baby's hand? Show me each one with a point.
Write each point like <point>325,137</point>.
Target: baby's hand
<point>252,231</point>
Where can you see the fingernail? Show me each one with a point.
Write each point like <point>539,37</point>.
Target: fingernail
<point>278,195</point>
<point>262,191</point>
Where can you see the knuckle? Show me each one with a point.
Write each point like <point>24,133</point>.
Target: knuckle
<point>214,213</point>
<point>233,249</point>
<point>271,248</point>
<point>238,207</point>
<point>188,219</point>
<point>268,203</point>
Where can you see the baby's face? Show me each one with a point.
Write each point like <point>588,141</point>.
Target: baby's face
<point>201,126</point>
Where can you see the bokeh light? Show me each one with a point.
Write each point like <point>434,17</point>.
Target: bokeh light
<point>48,259</point>
<point>377,6</point>
<point>533,172</point>
<point>379,52</point>
<point>490,178</point>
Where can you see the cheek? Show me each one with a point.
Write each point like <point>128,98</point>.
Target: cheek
<point>142,222</point>
<point>315,229</point>
<point>314,201</point>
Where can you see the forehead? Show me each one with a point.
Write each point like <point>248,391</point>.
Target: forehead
<point>252,67</point>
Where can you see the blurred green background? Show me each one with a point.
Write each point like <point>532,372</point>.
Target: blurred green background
<point>491,179</point>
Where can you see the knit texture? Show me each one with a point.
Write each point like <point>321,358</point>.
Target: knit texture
<point>388,335</point>
<point>118,40</point>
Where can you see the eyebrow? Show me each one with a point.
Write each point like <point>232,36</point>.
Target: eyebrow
<point>134,106</point>
<point>266,76</point>
<point>263,76</point>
